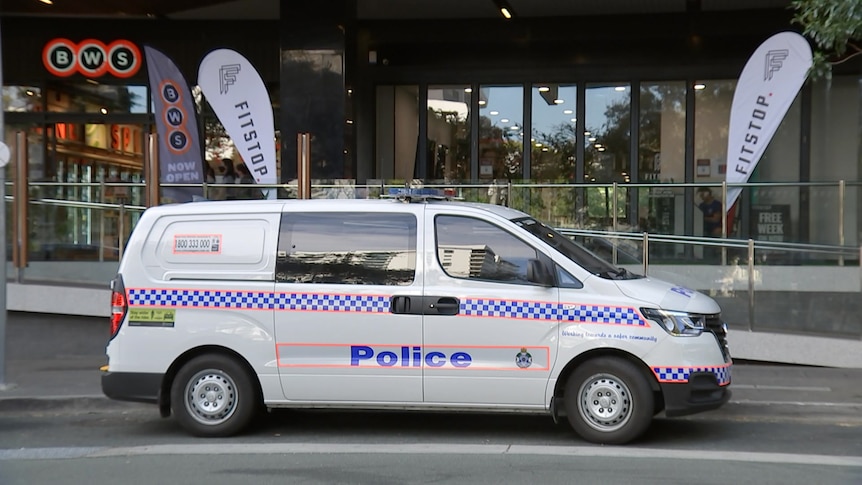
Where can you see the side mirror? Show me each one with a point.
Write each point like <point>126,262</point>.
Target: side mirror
<point>539,273</point>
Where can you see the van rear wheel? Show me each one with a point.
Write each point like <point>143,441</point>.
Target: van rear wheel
<point>213,395</point>
<point>609,401</point>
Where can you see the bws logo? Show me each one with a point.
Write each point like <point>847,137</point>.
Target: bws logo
<point>91,58</point>
<point>175,117</point>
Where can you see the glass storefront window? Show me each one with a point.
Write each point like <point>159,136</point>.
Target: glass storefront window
<point>712,103</point>
<point>836,110</point>
<point>608,133</point>
<point>553,141</point>
<point>449,118</point>
<point>661,156</point>
<point>501,132</point>
<point>397,132</point>
<point>22,99</point>
<point>96,98</point>
<point>607,150</point>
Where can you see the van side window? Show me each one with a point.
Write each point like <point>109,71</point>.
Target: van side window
<point>351,248</point>
<point>475,249</point>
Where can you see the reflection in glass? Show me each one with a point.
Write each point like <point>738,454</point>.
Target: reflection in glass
<point>661,156</point>
<point>607,152</point>
<point>96,98</point>
<point>347,248</point>
<point>449,132</point>
<point>553,141</point>
<point>501,136</point>
<point>608,133</point>
<point>397,132</point>
<point>22,98</point>
<point>475,249</point>
<point>712,101</point>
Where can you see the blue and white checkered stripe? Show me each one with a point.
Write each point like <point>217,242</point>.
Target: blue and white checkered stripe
<point>603,314</point>
<point>532,310</point>
<point>681,374</point>
<point>323,302</point>
<point>257,300</point>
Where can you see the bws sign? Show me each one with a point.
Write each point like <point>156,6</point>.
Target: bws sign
<point>91,58</point>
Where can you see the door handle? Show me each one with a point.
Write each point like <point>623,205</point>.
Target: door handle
<point>444,305</point>
<point>424,305</point>
<point>400,304</point>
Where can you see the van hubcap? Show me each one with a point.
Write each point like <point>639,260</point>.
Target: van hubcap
<point>211,397</point>
<point>605,402</point>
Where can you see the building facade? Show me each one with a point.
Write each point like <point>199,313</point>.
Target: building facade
<point>587,116</point>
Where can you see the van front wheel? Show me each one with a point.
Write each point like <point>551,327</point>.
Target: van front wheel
<point>213,395</point>
<point>609,401</point>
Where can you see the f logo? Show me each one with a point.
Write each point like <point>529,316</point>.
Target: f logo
<point>774,62</point>
<point>227,75</point>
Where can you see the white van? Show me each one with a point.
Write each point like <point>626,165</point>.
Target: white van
<point>224,309</point>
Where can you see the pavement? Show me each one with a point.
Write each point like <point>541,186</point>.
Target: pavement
<point>52,362</point>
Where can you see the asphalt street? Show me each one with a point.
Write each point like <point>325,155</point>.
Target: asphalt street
<point>54,360</point>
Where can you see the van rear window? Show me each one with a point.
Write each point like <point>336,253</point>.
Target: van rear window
<point>351,248</point>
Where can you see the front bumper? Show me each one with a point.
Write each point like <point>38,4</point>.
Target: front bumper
<point>701,392</point>
<point>132,386</point>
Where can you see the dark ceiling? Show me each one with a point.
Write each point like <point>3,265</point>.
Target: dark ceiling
<point>369,9</point>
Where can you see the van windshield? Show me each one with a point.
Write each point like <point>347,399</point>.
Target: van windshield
<point>574,251</point>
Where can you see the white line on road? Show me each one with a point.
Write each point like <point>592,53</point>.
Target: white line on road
<point>626,452</point>
<point>852,405</point>
<point>780,388</point>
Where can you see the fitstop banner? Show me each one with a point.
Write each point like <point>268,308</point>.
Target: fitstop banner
<point>239,98</point>
<point>767,87</point>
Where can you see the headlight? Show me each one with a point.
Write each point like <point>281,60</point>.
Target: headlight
<point>678,324</point>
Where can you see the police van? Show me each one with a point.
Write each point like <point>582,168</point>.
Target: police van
<point>222,310</point>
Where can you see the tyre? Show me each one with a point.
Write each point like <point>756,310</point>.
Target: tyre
<point>609,401</point>
<point>214,395</point>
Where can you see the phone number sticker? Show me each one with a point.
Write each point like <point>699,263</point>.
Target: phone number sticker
<point>197,243</point>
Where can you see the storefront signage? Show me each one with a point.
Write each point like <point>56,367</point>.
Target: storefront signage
<point>91,58</point>
<point>770,222</point>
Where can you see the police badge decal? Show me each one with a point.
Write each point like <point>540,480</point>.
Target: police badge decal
<point>524,359</point>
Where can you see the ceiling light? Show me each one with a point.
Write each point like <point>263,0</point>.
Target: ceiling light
<point>544,89</point>
<point>104,111</point>
<point>30,92</point>
<point>494,113</point>
<point>699,86</point>
<point>620,88</point>
<point>468,90</point>
<point>504,120</point>
<point>587,133</point>
<point>601,149</point>
<point>515,128</point>
<point>592,138</point>
<point>47,2</point>
<point>482,102</point>
<point>504,8</point>
<point>574,120</point>
<point>567,112</point>
<point>538,144</point>
<point>559,101</point>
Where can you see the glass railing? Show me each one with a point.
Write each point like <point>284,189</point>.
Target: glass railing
<point>76,234</point>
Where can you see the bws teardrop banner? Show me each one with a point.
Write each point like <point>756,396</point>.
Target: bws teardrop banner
<point>239,98</point>
<point>180,155</point>
<point>767,87</point>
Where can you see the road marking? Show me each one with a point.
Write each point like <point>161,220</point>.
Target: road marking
<point>626,452</point>
<point>800,403</point>
<point>781,388</point>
